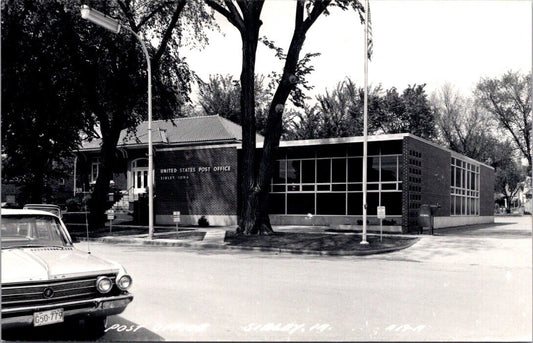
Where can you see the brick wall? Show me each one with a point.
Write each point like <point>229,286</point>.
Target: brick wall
<point>196,181</point>
<point>426,178</point>
<point>486,191</point>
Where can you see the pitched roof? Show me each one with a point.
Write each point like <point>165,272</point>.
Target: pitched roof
<point>188,130</point>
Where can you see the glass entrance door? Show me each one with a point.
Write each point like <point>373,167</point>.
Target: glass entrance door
<point>139,172</point>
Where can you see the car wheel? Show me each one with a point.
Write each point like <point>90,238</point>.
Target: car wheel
<point>95,326</point>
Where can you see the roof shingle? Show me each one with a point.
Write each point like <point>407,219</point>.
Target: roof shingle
<point>188,130</point>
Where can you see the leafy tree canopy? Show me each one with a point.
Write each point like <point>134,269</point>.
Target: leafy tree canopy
<point>64,76</point>
<point>508,100</point>
<point>339,113</point>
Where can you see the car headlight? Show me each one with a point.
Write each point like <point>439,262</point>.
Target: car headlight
<point>124,282</point>
<point>104,284</point>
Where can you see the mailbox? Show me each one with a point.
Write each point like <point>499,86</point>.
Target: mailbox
<point>426,216</point>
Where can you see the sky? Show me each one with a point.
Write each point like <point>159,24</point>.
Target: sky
<point>415,42</point>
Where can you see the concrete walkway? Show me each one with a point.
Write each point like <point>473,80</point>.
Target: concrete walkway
<point>451,245</point>
<point>505,243</point>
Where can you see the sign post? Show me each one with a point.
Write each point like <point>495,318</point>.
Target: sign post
<point>110,217</point>
<point>381,216</point>
<point>176,216</point>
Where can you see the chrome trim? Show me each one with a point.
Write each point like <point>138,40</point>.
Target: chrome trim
<point>63,297</point>
<point>95,302</point>
<point>117,282</point>
<point>97,310</point>
<point>101,278</point>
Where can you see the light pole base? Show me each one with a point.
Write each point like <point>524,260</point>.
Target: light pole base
<point>364,243</point>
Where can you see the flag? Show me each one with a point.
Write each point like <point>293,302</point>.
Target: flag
<point>370,41</point>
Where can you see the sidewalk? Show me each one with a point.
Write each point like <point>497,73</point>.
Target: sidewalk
<point>314,240</point>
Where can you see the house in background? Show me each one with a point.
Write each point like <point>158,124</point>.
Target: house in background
<point>316,182</point>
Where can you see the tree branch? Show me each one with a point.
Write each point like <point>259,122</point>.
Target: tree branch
<point>299,18</point>
<point>129,15</point>
<point>317,10</point>
<point>233,17</point>
<point>151,14</point>
<point>168,32</point>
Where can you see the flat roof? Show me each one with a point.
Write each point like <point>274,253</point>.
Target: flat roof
<point>370,138</point>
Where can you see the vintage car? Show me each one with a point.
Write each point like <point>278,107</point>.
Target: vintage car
<point>46,280</point>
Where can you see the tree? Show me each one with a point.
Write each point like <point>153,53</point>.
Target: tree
<point>42,94</point>
<point>161,22</point>
<point>245,16</point>
<point>463,125</point>
<point>221,94</point>
<point>508,181</point>
<point>339,113</point>
<point>508,100</point>
<point>102,75</point>
<point>306,124</point>
<point>409,112</point>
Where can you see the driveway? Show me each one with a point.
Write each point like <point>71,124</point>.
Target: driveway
<point>506,243</point>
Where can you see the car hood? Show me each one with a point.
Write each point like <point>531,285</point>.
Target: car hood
<point>34,264</point>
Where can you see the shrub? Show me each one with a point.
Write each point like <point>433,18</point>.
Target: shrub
<point>74,204</point>
<point>203,222</point>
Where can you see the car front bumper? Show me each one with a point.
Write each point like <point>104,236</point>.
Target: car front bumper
<point>97,307</point>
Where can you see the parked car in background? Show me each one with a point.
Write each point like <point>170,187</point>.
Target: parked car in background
<point>55,209</point>
<point>46,280</point>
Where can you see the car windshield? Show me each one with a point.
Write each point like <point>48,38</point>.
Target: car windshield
<point>31,231</point>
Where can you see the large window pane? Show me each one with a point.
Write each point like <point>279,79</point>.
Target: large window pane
<point>388,168</point>
<point>355,169</point>
<point>300,203</point>
<point>280,172</point>
<point>293,171</point>
<point>323,171</point>
<point>392,202</point>
<point>373,168</point>
<point>452,176</point>
<point>372,200</point>
<point>331,203</point>
<point>276,203</point>
<point>452,208</point>
<point>338,170</point>
<point>355,204</point>
<point>308,171</point>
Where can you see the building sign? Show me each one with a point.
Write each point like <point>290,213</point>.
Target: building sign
<point>176,216</point>
<point>182,173</point>
<point>381,212</point>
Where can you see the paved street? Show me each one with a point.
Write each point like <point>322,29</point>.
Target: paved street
<point>453,286</point>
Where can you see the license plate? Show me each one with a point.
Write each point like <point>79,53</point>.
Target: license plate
<point>48,317</point>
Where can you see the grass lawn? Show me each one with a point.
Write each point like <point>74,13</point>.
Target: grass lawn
<point>319,242</point>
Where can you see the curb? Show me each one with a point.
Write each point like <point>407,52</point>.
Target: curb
<point>200,245</point>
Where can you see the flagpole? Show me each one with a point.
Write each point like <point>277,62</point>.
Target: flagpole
<point>365,127</point>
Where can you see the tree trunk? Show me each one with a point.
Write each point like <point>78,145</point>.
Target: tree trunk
<point>248,161</point>
<point>35,190</point>
<point>99,202</point>
<point>274,130</point>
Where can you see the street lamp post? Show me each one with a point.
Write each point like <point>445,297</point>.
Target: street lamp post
<point>114,26</point>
